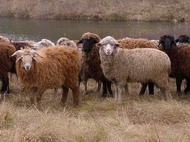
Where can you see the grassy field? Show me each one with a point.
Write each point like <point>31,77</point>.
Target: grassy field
<point>146,10</point>
<point>137,119</point>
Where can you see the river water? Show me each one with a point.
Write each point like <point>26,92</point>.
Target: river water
<point>27,29</point>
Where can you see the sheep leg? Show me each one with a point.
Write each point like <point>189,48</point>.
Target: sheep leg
<point>178,83</point>
<point>109,88</point>
<point>126,89</point>
<point>116,92</point>
<point>75,91</point>
<point>104,89</point>
<point>99,86</point>
<point>85,86</point>
<point>187,89</point>
<point>163,85</point>
<point>143,89</point>
<point>39,98</point>
<point>5,84</point>
<point>120,88</point>
<point>64,94</point>
<point>151,88</point>
<point>166,94</point>
<point>32,96</point>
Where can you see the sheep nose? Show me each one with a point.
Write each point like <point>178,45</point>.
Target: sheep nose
<point>27,67</point>
<point>108,52</point>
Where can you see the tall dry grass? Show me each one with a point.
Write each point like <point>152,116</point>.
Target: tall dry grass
<point>147,10</point>
<point>138,119</point>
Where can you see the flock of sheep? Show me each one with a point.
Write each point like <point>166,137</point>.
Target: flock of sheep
<point>112,63</point>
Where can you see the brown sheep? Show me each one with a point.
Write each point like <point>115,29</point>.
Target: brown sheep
<point>131,43</point>
<point>91,59</point>
<point>23,44</point>
<point>51,67</point>
<point>180,60</point>
<point>7,64</point>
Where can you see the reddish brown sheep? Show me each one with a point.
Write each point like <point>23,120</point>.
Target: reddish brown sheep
<point>91,59</point>
<point>7,64</point>
<point>180,60</point>
<point>51,67</point>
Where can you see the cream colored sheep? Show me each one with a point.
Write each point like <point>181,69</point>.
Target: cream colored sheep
<point>138,65</point>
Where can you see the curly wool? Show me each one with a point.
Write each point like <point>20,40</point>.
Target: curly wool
<point>91,35</point>
<point>133,66</point>
<point>66,42</point>
<point>57,67</point>
<point>7,64</point>
<point>4,39</point>
<point>136,43</point>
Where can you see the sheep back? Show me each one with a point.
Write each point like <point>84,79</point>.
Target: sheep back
<point>137,65</point>
<point>136,43</point>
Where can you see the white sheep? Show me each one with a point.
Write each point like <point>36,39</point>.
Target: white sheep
<point>67,42</point>
<point>156,42</point>
<point>137,65</point>
<point>42,44</point>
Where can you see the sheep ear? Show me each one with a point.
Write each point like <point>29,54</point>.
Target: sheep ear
<point>18,53</point>
<point>98,44</point>
<point>160,42</point>
<point>174,42</point>
<point>80,41</point>
<point>188,40</point>
<point>117,45</point>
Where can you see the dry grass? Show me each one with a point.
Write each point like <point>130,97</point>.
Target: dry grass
<point>147,10</point>
<point>138,119</point>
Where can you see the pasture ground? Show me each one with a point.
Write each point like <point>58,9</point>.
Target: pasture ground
<point>137,119</point>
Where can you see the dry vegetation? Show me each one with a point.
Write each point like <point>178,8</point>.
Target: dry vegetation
<point>138,119</point>
<point>147,10</point>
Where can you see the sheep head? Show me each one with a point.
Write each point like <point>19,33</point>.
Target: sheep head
<point>43,43</point>
<point>89,40</point>
<point>108,45</point>
<point>27,57</point>
<point>183,39</point>
<point>66,42</point>
<point>167,42</point>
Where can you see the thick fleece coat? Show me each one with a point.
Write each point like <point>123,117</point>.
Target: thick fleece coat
<point>55,67</point>
<point>136,43</point>
<point>7,64</point>
<point>180,60</point>
<point>131,43</point>
<point>4,39</point>
<point>137,65</point>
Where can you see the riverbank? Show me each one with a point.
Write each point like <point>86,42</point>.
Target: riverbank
<point>140,10</point>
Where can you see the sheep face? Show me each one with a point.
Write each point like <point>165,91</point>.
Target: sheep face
<point>167,41</point>
<point>183,39</point>
<point>108,49</point>
<point>88,44</point>
<point>26,57</point>
<point>108,45</point>
<point>27,62</point>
